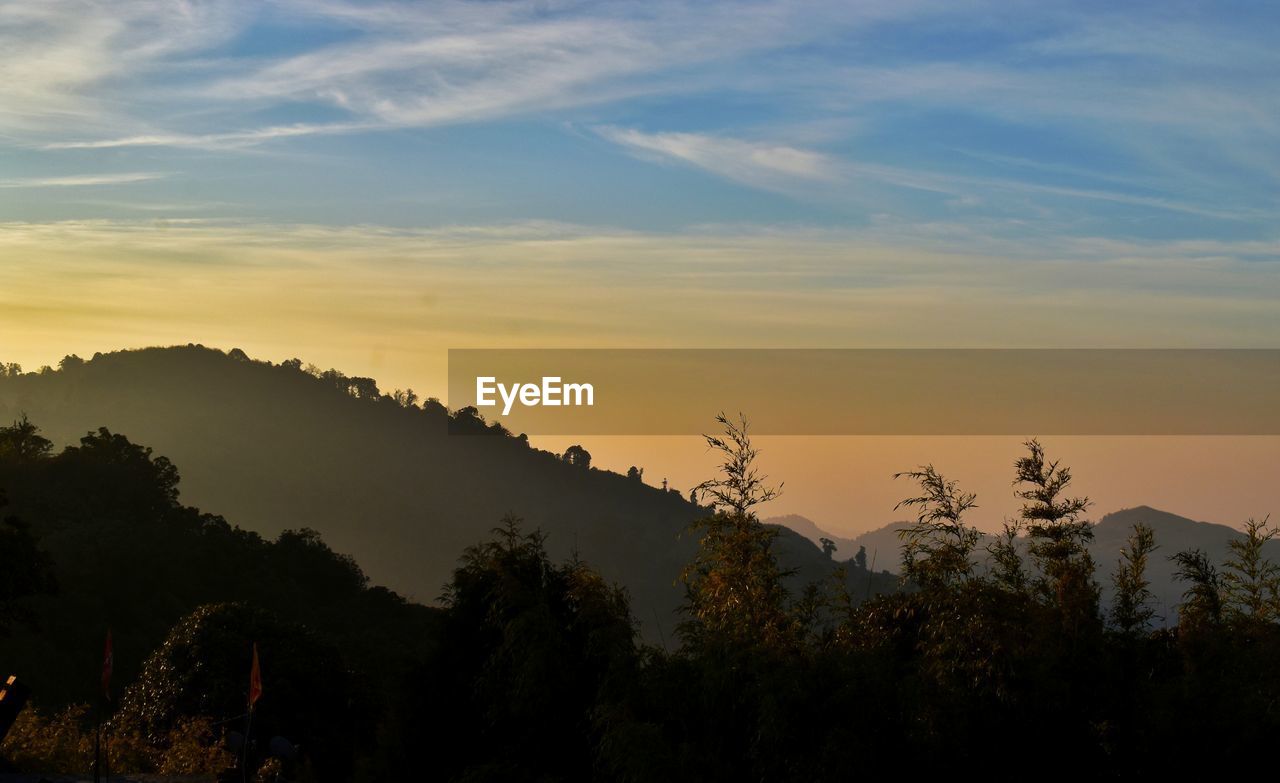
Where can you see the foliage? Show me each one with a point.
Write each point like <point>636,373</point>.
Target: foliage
<point>25,569</point>
<point>1251,583</point>
<point>734,591</point>
<point>1202,602</point>
<point>1008,570</point>
<point>21,442</point>
<point>57,743</point>
<point>741,486</point>
<point>102,521</point>
<point>1058,537</point>
<point>937,550</point>
<point>1131,610</point>
<point>578,457</point>
<point>62,743</point>
<point>202,670</point>
<point>533,655</point>
<point>532,669</point>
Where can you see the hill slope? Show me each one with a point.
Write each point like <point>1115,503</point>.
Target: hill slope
<point>274,447</point>
<point>1173,534</point>
<point>118,551</point>
<point>845,548</point>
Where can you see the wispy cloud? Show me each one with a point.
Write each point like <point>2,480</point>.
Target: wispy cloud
<point>80,180</point>
<point>759,164</point>
<point>213,141</point>
<point>338,292</point>
<point>784,168</point>
<point>400,65</point>
<point>70,65</point>
<point>1177,109</point>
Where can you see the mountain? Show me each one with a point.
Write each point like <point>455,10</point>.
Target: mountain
<point>884,548</point>
<point>401,488</point>
<point>1173,534</point>
<point>115,549</point>
<point>845,548</point>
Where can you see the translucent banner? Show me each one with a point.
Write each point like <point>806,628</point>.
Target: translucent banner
<point>873,391</point>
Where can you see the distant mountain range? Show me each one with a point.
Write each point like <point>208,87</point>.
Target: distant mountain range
<point>272,447</point>
<point>1173,534</point>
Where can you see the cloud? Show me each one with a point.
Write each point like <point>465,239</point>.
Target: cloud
<point>759,164</point>
<point>80,180</point>
<point>460,62</point>
<point>791,170</point>
<point>70,66</point>
<point>213,141</point>
<point>395,64</point>
<point>1176,111</point>
<point>338,294</point>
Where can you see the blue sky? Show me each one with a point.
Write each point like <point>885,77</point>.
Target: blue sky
<point>365,185</point>
<point>1127,121</point>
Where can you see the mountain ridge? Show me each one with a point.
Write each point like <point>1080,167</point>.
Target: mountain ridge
<point>1173,533</point>
<point>403,489</point>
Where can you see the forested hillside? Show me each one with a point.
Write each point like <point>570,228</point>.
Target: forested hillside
<point>531,669</point>
<point>1110,536</point>
<point>376,472</point>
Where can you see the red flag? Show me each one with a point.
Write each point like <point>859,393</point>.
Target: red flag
<point>108,664</point>
<point>255,679</point>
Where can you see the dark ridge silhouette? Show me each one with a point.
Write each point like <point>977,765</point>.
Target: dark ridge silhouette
<point>122,553</point>
<point>1173,533</point>
<point>530,668</point>
<point>845,547</point>
<point>275,447</point>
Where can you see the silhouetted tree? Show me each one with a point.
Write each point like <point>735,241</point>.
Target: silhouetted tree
<point>937,550</point>
<point>1131,610</point>
<point>577,456</point>
<point>202,669</point>
<point>433,406</point>
<point>358,387</point>
<point>405,399</point>
<point>21,442</point>
<point>1202,601</point>
<point>828,546</point>
<point>363,388</point>
<point>1007,569</point>
<point>1251,581</point>
<point>113,472</point>
<point>1058,537</point>
<point>25,569</point>
<point>734,592</point>
<point>534,656</point>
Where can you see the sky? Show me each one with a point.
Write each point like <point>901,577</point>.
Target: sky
<point>367,184</point>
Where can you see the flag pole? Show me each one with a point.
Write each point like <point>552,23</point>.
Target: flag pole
<point>106,745</point>
<point>244,747</point>
<point>97,744</point>
<point>255,693</point>
<point>108,666</point>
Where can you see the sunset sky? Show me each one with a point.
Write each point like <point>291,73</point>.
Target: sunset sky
<point>365,185</point>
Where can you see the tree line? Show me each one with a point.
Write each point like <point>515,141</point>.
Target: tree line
<point>1000,659</point>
